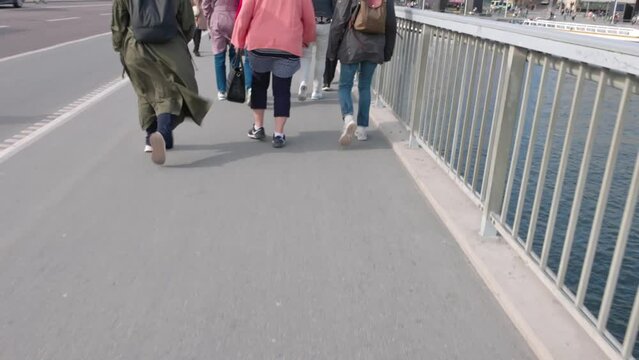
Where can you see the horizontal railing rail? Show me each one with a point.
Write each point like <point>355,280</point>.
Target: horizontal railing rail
<point>541,129</point>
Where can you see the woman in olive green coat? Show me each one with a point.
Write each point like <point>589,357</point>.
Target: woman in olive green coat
<point>162,76</point>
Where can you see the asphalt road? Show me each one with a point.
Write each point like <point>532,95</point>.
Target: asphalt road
<point>233,250</point>
<point>37,85</point>
<point>36,26</point>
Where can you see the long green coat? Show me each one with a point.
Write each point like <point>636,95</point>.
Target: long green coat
<point>162,74</point>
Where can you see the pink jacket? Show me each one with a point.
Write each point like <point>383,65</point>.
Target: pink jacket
<point>275,24</point>
<point>220,15</point>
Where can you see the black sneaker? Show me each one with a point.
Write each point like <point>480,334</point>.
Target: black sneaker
<point>279,141</point>
<point>258,134</point>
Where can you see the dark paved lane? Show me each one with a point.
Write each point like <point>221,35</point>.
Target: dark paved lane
<point>36,26</point>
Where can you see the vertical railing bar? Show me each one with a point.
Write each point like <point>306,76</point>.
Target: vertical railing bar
<point>454,99</point>
<point>462,90</point>
<point>505,49</point>
<point>603,196</point>
<point>426,84</point>
<point>421,72</point>
<point>531,147</point>
<point>546,157</point>
<point>433,98</point>
<point>439,84</point>
<point>446,93</point>
<point>563,165</point>
<point>424,88</point>
<point>466,103</point>
<point>500,141</point>
<point>410,64</point>
<point>475,115</point>
<point>620,248</point>
<point>521,125</point>
<point>437,93</point>
<point>431,85</point>
<point>415,45</point>
<point>393,71</point>
<point>581,179</point>
<point>480,143</point>
<point>631,331</point>
<point>408,61</point>
<point>396,72</point>
<point>450,89</point>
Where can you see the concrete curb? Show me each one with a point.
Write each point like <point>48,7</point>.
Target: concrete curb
<point>549,328</point>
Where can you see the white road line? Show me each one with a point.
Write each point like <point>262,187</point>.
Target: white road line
<point>4,26</point>
<point>96,96</point>
<point>75,6</point>
<point>17,56</point>
<point>105,14</point>
<point>63,19</point>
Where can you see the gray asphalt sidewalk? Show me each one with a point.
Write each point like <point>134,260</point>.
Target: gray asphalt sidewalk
<point>233,250</point>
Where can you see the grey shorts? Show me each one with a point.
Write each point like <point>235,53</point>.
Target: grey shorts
<point>281,67</point>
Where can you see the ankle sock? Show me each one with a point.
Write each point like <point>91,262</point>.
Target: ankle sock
<point>276,134</point>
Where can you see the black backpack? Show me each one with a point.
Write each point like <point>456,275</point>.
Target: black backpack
<point>153,21</point>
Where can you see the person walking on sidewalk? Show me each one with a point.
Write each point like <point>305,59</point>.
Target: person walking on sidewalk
<point>323,15</point>
<point>358,51</point>
<point>220,16</point>
<point>274,33</point>
<point>160,69</point>
<point>248,71</point>
<point>329,73</point>
<point>200,22</point>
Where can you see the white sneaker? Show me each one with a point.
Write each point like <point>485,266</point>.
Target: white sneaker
<point>221,96</point>
<point>301,93</point>
<point>317,95</point>
<point>148,148</point>
<point>348,130</point>
<point>361,134</point>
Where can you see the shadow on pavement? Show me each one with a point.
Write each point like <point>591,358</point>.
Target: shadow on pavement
<point>305,142</point>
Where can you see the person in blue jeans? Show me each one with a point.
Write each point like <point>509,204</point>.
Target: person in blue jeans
<point>220,16</point>
<point>358,53</point>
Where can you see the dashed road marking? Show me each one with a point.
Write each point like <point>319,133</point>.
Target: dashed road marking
<point>14,144</point>
<point>4,26</point>
<point>75,6</point>
<point>105,14</point>
<point>17,56</point>
<point>64,19</point>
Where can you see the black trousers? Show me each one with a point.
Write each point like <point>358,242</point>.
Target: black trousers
<point>329,71</point>
<point>197,37</point>
<point>281,93</point>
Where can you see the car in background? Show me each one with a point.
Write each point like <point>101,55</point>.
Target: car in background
<point>15,3</point>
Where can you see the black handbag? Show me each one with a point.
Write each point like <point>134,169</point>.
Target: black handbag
<point>235,82</point>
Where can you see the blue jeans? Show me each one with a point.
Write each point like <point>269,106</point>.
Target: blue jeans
<point>220,68</point>
<point>347,73</point>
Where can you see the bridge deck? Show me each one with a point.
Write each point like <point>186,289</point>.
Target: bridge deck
<point>233,250</point>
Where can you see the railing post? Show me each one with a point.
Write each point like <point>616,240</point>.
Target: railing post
<point>510,87</point>
<point>418,87</point>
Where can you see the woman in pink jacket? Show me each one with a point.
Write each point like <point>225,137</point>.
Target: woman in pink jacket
<point>220,15</point>
<point>274,33</point>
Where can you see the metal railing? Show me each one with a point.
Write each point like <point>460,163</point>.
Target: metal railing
<point>585,28</point>
<point>541,129</point>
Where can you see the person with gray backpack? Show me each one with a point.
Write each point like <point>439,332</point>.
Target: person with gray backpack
<point>151,37</point>
<point>362,36</point>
